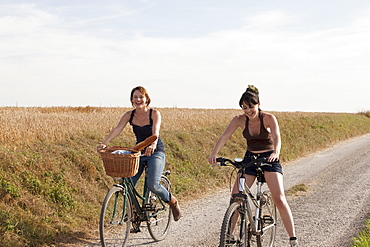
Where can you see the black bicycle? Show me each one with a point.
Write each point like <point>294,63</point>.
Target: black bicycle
<point>250,219</point>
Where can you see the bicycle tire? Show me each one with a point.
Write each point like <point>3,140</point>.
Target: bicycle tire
<point>268,221</point>
<point>115,218</point>
<point>234,230</point>
<point>160,214</point>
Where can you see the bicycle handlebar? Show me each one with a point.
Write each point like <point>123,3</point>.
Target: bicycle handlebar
<point>238,162</point>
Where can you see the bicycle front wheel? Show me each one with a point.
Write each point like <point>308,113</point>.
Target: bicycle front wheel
<point>235,225</point>
<point>268,221</point>
<point>115,218</point>
<point>159,213</point>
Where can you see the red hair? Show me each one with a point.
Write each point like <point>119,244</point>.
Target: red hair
<point>143,91</point>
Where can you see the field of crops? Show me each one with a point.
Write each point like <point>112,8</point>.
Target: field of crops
<point>52,181</point>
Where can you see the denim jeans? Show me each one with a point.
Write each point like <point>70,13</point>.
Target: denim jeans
<point>155,164</point>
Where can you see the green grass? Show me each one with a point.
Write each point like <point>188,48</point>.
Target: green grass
<point>297,189</point>
<point>363,239</point>
<point>52,181</point>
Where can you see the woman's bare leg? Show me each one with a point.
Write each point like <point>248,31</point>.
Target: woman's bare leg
<point>274,181</point>
<point>249,179</point>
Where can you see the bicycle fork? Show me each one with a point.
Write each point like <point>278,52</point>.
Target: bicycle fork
<point>258,209</point>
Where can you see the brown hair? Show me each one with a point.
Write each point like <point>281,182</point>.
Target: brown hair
<point>143,91</point>
<point>250,96</point>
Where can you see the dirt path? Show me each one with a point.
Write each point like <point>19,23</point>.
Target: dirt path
<point>329,214</point>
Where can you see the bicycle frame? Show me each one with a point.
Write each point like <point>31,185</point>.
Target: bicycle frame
<point>124,209</point>
<point>131,192</point>
<point>245,190</point>
<point>257,221</point>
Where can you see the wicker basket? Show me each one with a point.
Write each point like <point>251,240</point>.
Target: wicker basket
<point>119,165</point>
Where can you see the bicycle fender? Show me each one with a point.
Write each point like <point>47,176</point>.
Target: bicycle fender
<point>119,186</point>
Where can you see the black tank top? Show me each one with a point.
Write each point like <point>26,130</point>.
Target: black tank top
<point>143,132</point>
<point>261,142</point>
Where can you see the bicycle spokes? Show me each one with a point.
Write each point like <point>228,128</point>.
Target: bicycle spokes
<point>234,227</point>
<point>268,222</point>
<point>115,218</point>
<point>159,214</point>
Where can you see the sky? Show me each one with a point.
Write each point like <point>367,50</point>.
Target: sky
<point>311,56</point>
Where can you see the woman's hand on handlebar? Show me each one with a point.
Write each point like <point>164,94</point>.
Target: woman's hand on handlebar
<point>273,157</point>
<point>212,160</point>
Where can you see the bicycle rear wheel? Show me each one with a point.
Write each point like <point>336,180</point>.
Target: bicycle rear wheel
<point>115,218</point>
<point>159,213</point>
<point>268,222</point>
<point>234,230</point>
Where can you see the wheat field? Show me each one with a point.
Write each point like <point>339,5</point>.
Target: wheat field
<point>52,181</point>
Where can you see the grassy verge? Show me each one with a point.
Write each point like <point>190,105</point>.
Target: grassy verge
<point>363,239</point>
<point>52,181</point>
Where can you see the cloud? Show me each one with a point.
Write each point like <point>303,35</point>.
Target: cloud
<point>24,19</point>
<point>39,50</point>
<point>270,19</point>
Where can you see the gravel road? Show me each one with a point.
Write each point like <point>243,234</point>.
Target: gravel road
<point>330,213</point>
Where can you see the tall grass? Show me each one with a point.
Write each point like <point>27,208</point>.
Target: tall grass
<point>52,181</point>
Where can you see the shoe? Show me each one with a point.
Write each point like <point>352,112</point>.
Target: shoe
<point>176,211</point>
<point>134,230</point>
<point>293,243</point>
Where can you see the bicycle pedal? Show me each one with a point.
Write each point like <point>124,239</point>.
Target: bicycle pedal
<point>267,219</point>
<point>135,230</point>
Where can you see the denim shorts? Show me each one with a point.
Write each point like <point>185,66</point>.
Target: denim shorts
<point>251,170</point>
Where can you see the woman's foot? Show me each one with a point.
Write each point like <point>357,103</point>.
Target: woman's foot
<point>176,211</point>
<point>293,242</point>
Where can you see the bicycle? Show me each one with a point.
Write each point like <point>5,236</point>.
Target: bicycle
<point>122,208</point>
<point>240,227</point>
